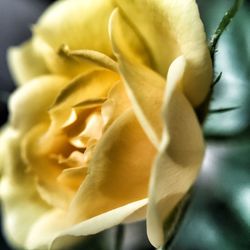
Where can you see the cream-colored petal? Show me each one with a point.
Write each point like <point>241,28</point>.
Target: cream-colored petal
<point>25,64</point>
<point>144,87</point>
<point>180,156</point>
<point>117,175</point>
<point>71,23</point>
<point>20,202</point>
<point>30,103</point>
<point>95,84</point>
<point>54,229</point>
<point>170,29</point>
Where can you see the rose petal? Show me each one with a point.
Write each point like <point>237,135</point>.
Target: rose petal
<point>91,56</point>
<point>116,103</point>
<point>71,23</point>
<point>116,176</point>
<point>29,104</point>
<point>144,87</point>
<point>37,152</point>
<point>53,229</point>
<point>170,29</point>
<point>25,64</point>
<point>20,203</point>
<point>95,84</point>
<point>180,157</point>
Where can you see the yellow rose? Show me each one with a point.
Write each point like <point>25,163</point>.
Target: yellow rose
<point>105,105</point>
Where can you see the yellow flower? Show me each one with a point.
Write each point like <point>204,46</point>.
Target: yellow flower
<point>103,128</point>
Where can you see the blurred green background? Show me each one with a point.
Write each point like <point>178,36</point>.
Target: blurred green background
<point>218,217</point>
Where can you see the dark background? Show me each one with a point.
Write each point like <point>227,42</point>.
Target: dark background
<point>219,215</point>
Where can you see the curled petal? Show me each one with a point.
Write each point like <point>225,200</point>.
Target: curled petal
<point>180,156</point>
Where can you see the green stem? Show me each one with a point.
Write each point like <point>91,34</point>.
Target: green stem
<point>223,25</point>
<point>119,237</point>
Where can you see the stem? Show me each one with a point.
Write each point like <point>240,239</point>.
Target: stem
<point>119,237</point>
<point>227,18</point>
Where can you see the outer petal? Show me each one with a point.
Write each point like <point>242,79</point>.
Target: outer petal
<point>116,175</point>
<point>30,103</point>
<point>170,29</point>
<point>21,204</point>
<point>52,229</point>
<point>180,156</point>
<point>25,64</point>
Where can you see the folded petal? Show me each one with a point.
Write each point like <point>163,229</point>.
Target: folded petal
<point>170,29</point>
<point>30,103</point>
<point>180,156</point>
<point>116,175</point>
<point>25,63</point>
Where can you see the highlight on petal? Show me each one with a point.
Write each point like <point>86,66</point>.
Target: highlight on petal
<point>170,29</point>
<point>25,64</point>
<point>30,103</point>
<point>180,156</point>
<point>115,163</point>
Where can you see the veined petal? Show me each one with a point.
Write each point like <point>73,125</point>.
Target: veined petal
<point>180,156</point>
<point>115,163</point>
<point>170,29</point>
<point>25,64</point>
<point>30,103</point>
